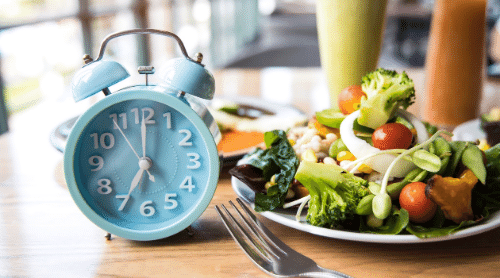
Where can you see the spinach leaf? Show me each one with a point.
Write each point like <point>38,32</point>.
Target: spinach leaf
<point>486,197</point>
<point>428,232</point>
<point>263,160</point>
<point>458,148</point>
<point>278,159</point>
<point>394,224</point>
<point>493,167</point>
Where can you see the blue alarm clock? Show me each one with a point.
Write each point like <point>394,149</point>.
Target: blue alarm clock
<point>142,163</point>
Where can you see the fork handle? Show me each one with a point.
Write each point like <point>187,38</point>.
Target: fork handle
<point>325,273</point>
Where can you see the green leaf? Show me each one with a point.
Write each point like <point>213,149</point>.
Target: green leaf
<point>458,148</point>
<point>428,232</point>
<point>394,224</point>
<point>472,158</point>
<point>263,160</point>
<point>279,159</point>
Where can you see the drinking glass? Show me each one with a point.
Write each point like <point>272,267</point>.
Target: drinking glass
<point>350,37</point>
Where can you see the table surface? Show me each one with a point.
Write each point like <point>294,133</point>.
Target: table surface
<point>43,234</point>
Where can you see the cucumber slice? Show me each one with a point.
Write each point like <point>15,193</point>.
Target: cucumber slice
<point>330,117</point>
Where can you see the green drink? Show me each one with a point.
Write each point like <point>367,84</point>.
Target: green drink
<point>350,37</point>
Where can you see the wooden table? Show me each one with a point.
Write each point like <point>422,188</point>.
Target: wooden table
<point>43,234</point>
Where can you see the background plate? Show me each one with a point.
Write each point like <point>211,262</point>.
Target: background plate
<point>469,131</point>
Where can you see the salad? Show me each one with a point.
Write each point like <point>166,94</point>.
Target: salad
<point>372,167</point>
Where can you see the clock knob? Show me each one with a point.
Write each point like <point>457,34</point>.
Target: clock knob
<point>189,76</point>
<point>146,70</point>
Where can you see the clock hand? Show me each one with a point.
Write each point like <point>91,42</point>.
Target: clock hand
<point>135,180</point>
<point>143,135</point>
<point>144,165</point>
<point>151,177</point>
<point>126,139</point>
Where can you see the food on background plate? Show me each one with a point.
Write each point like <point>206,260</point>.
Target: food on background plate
<point>372,167</point>
<point>490,124</point>
<point>243,125</point>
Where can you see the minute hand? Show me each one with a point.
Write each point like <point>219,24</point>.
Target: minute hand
<point>143,139</point>
<point>143,136</point>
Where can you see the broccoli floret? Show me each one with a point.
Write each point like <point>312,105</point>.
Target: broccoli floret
<point>386,91</point>
<point>334,193</point>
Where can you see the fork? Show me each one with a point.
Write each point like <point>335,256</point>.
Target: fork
<point>267,251</point>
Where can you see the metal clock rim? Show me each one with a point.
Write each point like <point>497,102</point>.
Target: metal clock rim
<point>131,93</point>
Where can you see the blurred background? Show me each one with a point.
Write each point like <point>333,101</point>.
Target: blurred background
<point>42,42</point>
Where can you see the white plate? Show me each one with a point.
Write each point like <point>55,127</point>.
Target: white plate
<point>469,131</point>
<point>287,218</point>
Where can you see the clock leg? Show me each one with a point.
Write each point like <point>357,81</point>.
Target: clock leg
<point>108,236</point>
<point>190,230</point>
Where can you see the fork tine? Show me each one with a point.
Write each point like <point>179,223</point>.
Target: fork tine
<point>254,225</point>
<point>271,238</point>
<point>250,234</point>
<point>254,251</point>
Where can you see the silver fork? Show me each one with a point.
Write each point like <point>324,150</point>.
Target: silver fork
<point>268,252</point>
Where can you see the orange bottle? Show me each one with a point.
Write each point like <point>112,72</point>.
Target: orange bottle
<point>455,62</point>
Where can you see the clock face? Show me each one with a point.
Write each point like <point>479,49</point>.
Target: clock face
<point>141,164</point>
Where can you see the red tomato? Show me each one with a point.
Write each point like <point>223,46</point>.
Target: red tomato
<point>349,99</point>
<point>420,208</point>
<point>392,136</point>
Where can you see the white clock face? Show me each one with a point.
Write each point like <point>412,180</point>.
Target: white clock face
<point>143,165</point>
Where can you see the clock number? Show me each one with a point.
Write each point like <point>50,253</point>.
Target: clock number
<point>168,116</point>
<point>106,140</point>
<point>187,183</point>
<point>185,141</point>
<point>125,198</point>
<point>104,187</point>
<point>194,158</point>
<point>136,112</point>
<point>150,113</point>
<point>172,202</point>
<point>147,119</point>
<point>123,116</point>
<point>147,209</point>
<point>96,161</point>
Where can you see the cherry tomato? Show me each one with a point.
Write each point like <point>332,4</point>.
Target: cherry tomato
<point>392,136</point>
<point>420,208</point>
<point>349,99</point>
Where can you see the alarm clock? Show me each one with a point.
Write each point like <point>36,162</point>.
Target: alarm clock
<point>142,162</point>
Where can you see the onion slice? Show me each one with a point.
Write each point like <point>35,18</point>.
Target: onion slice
<point>380,163</point>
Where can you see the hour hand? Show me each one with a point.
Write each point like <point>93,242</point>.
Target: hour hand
<point>144,165</point>
<point>136,180</point>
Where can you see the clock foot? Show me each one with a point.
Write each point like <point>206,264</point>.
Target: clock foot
<point>191,231</point>
<point>108,236</point>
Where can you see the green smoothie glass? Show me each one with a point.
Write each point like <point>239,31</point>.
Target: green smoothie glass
<point>350,37</point>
